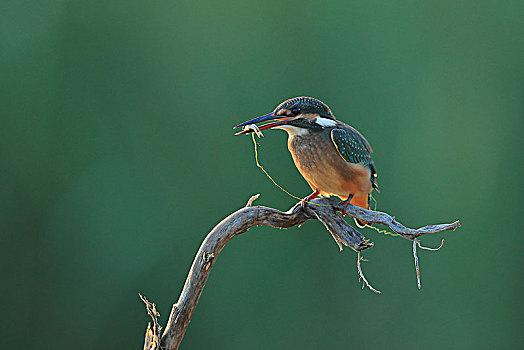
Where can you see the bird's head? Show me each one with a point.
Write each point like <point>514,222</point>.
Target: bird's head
<point>297,116</point>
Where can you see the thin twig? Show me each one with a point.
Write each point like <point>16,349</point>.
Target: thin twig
<point>252,199</point>
<point>416,262</point>
<point>417,268</point>
<point>361,274</point>
<point>428,248</point>
<point>151,341</point>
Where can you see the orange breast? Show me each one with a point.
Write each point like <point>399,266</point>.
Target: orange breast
<point>325,170</point>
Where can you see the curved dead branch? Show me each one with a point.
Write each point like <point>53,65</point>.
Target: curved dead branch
<point>322,209</point>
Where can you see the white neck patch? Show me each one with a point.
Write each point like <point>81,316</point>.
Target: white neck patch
<point>292,130</point>
<point>324,122</point>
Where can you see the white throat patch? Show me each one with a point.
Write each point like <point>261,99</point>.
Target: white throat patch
<point>292,130</point>
<point>324,122</point>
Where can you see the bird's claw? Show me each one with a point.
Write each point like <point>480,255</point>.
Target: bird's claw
<point>303,203</point>
<point>312,196</point>
<point>345,204</point>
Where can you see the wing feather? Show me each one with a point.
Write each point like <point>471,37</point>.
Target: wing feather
<point>354,148</point>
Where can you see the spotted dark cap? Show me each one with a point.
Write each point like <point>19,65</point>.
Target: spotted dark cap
<point>306,105</point>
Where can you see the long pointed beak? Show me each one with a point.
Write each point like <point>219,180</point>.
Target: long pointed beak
<point>263,118</point>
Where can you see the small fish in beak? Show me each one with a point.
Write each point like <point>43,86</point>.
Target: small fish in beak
<point>249,128</point>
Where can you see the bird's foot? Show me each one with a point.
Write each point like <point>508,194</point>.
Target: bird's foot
<point>312,196</point>
<point>345,204</point>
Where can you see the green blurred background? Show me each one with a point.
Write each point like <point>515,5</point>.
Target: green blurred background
<point>118,157</point>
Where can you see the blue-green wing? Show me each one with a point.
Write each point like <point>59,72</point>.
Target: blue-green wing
<point>354,148</point>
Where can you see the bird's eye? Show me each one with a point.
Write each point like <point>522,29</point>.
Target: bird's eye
<point>295,110</point>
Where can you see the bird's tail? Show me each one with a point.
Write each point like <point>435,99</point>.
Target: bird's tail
<point>362,202</point>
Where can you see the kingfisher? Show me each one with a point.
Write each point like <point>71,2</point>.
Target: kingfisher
<point>333,157</point>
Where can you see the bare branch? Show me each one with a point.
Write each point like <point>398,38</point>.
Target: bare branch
<point>361,275</point>
<point>322,209</point>
<point>386,219</point>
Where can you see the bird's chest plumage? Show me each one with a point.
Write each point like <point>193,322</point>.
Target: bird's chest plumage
<point>319,162</point>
